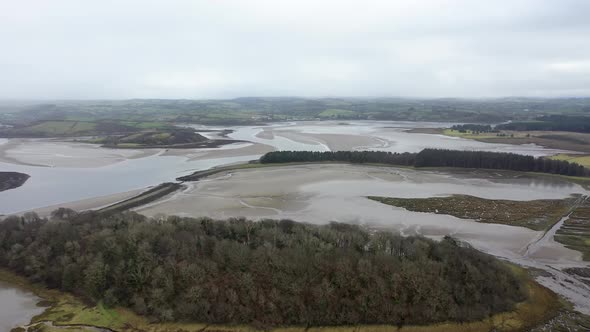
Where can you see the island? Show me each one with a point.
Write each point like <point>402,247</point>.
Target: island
<point>11,180</point>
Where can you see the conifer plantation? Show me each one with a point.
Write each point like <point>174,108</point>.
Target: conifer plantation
<point>435,158</point>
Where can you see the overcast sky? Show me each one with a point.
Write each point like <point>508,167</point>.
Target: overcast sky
<point>223,49</point>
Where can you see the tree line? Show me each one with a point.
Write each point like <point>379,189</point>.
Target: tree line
<point>381,157</point>
<point>435,158</point>
<point>571,123</point>
<point>266,273</point>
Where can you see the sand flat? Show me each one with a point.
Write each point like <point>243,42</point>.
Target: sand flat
<point>52,153</point>
<point>87,204</point>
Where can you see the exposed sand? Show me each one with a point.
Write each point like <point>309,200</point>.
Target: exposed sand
<point>266,134</point>
<point>87,204</point>
<point>52,153</point>
<point>341,142</point>
<point>232,150</point>
<point>298,137</point>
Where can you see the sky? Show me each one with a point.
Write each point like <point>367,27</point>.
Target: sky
<point>120,49</point>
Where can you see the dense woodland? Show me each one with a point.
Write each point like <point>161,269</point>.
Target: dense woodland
<point>579,124</point>
<point>381,157</point>
<point>435,158</point>
<point>264,273</point>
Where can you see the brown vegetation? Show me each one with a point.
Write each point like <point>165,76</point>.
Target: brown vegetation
<point>11,180</point>
<point>537,214</point>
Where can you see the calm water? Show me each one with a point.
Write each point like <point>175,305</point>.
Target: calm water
<point>54,185</point>
<point>16,307</point>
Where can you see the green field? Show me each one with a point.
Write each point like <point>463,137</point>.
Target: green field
<point>335,113</point>
<point>62,128</point>
<point>583,160</point>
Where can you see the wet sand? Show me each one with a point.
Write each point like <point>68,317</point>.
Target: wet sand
<point>52,153</point>
<point>87,204</point>
<point>232,150</point>
<point>342,142</point>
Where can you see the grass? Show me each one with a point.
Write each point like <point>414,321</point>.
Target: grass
<point>583,160</point>
<point>129,145</point>
<point>575,232</point>
<point>571,141</point>
<point>537,214</point>
<point>68,311</point>
<point>334,112</point>
<point>145,124</point>
<point>84,127</point>
<point>62,128</point>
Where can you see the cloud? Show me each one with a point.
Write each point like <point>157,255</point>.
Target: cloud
<point>224,49</point>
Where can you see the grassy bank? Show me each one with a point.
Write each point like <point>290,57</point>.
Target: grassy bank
<point>575,232</point>
<point>537,214</point>
<point>583,160</point>
<point>66,310</point>
<point>579,142</point>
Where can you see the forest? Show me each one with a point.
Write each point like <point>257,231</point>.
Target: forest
<point>435,158</point>
<point>580,124</point>
<point>265,273</point>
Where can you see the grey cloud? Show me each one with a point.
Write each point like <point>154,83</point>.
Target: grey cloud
<point>224,49</point>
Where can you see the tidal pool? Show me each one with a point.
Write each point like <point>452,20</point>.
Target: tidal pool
<point>17,307</point>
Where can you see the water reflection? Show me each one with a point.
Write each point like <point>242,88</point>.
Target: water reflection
<point>54,185</point>
<point>17,307</point>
